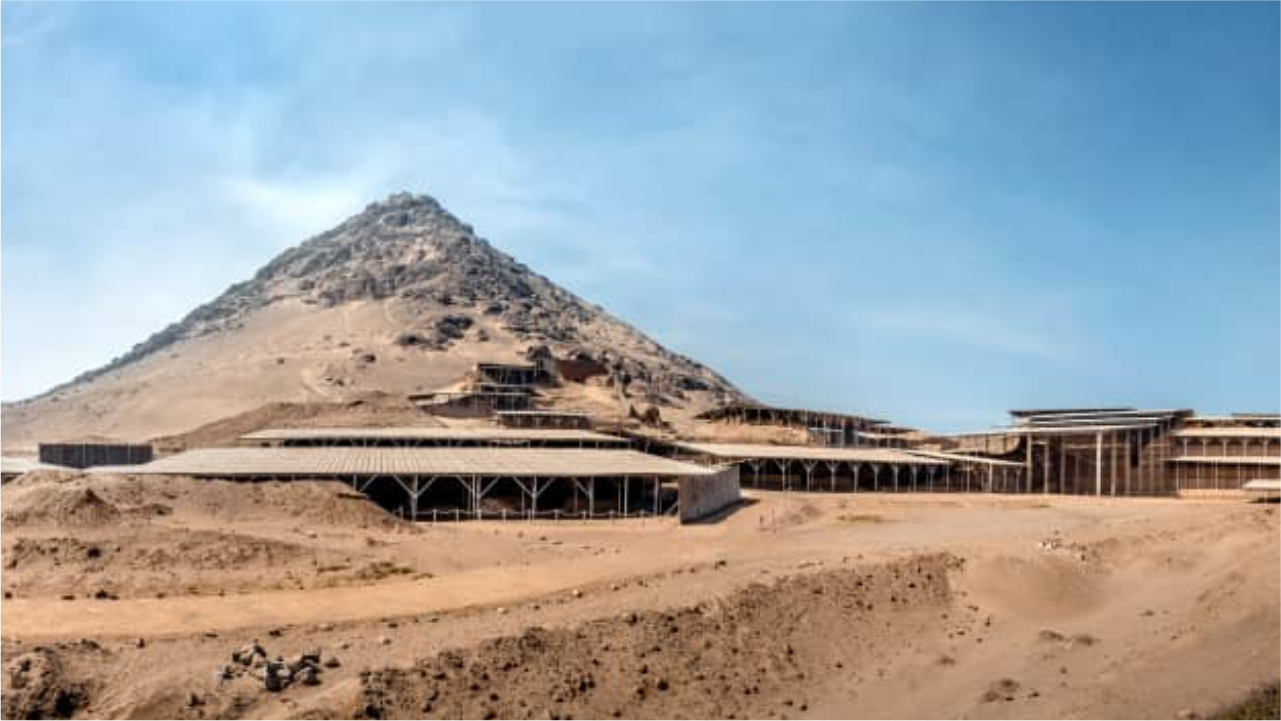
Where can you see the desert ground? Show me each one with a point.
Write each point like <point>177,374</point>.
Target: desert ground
<point>128,596</point>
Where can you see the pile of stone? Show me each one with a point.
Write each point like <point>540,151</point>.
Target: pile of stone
<point>278,673</point>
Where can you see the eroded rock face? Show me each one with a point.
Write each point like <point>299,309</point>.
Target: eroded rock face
<point>409,249</point>
<point>37,687</point>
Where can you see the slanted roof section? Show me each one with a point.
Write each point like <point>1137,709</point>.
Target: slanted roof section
<point>1022,413</point>
<point>964,458</point>
<point>761,451</point>
<point>731,408</point>
<point>347,462</point>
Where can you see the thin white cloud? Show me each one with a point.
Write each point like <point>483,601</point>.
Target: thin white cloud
<point>27,22</point>
<point>1002,331</point>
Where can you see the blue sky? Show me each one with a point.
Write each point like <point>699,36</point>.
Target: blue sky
<point>925,212</point>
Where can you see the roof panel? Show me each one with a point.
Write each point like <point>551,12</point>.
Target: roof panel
<point>1234,460</point>
<point>964,458</point>
<point>746,451</point>
<point>343,461</point>
<point>18,465</point>
<point>411,433</point>
<point>1228,432</point>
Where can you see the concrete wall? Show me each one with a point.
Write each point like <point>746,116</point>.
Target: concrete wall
<point>701,496</point>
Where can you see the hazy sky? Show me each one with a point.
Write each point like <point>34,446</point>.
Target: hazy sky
<point>925,212</point>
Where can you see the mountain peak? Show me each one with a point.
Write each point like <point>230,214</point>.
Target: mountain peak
<point>433,284</point>
<point>404,200</point>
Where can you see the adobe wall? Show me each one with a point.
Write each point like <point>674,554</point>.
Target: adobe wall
<point>702,496</point>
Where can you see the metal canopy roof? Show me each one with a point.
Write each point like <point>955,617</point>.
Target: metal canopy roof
<point>1059,422</point>
<point>754,451</point>
<point>1263,484</point>
<point>576,414</point>
<point>1238,460</point>
<point>1109,417</point>
<point>413,433</point>
<point>16,465</point>
<point>345,462</point>
<point>1054,430</point>
<point>963,458</point>
<point>1229,432</point>
<point>1019,413</point>
<point>1100,416</point>
<point>731,407</point>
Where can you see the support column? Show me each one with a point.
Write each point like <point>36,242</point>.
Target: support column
<point>1028,440</point>
<point>1127,462</point>
<point>1098,464</point>
<point>1112,465</point>
<point>1063,466</point>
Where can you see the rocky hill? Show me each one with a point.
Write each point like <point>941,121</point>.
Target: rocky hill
<point>401,298</point>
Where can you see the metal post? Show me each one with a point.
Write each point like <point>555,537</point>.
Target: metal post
<point>413,498</point>
<point>1028,440</point>
<point>1112,465</point>
<point>1098,464</point>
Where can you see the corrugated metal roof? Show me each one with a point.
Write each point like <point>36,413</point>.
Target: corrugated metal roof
<point>963,458</point>
<point>1230,432</point>
<point>746,451</point>
<point>1237,460</point>
<point>732,407</point>
<point>15,465</point>
<point>1049,430</point>
<point>416,433</point>
<point>1263,484</point>
<point>575,414</point>
<point>343,461</point>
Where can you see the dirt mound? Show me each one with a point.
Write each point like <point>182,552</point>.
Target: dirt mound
<point>97,499</point>
<point>1029,588</point>
<point>36,686</point>
<point>327,503</point>
<point>756,653</point>
<point>62,505</point>
<point>792,514</point>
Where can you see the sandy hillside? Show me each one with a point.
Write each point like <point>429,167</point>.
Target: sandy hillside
<point>793,606</point>
<point>400,298</point>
